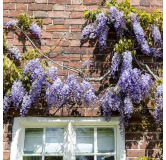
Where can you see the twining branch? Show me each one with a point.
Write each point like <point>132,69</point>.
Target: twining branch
<point>140,64</point>
<point>69,68</point>
<point>98,79</point>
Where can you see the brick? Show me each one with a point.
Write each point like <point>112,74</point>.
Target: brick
<point>77,1</point>
<point>57,7</point>
<point>10,35</point>
<point>75,50</point>
<point>131,145</point>
<point>134,2</point>
<point>77,15</point>
<point>145,2</point>
<point>60,1</point>
<point>6,155</point>
<point>134,136</point>
<point>90,2</point>
<point>60,43</point>
<point>9,6</point>
<point>150,145</point>
<point>57,35</point>
<point>151,136</point>
<point>76,64</point>
<point>46,35</point>
<point>41,1</point>
<point>6,1</point>
<point>76,8</point>
<point>16,13</point>
<point>23,1</point>
<point>58,21</point>
<point>21,7</point>
<point>76,28</point>
<point>57,28</point>
<point>6,145</point>
<point>40,14</point>
<point>73,36</point>
<point>75,21</point>
<point>59,14</point>
<point>75,57</point>
<point>5,13</point>
<point>135,153</point>
<point>36,7</point>
<point>7,137</point>
<point>17,42</point>
<point>156,3</point>
<point>7,128</point>
<point>47,21</point>
<point>93,112</point>
<point>61,57</point>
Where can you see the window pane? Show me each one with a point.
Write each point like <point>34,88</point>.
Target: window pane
<point>105,140</point>
<point>54,158</point>
<point>84,140</point>
<point>84,158</point>
<point>32,158</point>
<point>33,140</point>
<point>54,140</point>
<point>105,158</point>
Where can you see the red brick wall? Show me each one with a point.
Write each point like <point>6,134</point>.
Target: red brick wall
<point>65,17</point>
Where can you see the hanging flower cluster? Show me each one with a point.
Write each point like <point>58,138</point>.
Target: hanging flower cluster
<point>57,92</point>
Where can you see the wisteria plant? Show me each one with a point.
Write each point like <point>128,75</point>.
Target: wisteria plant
<point>137,31</point>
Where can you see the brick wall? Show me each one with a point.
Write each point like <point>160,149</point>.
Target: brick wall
<point>64,18</point>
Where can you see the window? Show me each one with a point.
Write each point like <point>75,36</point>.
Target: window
<point>67,138</point>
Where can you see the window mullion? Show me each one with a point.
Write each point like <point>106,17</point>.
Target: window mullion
<point>95,142</point>
<point>44,138</point>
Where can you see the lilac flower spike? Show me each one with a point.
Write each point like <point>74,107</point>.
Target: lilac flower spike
<point>11,23</point>
<point>36,30</point>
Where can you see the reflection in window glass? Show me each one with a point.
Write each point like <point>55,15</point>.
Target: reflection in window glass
<point>54,140</point>
<point>84,140</point>
<point>105,158</point>
<point>32,158</point>
<point>84,158</point>
<point>54,158</point>
<point>33,140</point>
<point>105,140</point>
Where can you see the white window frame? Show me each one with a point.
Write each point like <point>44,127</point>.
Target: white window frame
<point>69,124</point>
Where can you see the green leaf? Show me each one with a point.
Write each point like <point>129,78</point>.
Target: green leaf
<point>152,105</point>
<point>86,13</point>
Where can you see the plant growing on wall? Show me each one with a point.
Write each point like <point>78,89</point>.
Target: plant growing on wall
<point>32,80</point>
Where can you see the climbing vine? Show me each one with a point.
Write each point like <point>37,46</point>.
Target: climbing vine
<point>32,79</point>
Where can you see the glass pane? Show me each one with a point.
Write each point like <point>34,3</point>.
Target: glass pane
<point>105,140</point>
<point>54,140</point>
<point>84,158</point>
<point>32,158</point>
<point>105,157</point>
<point>33,140</point>
<point>54,158</point>
<point>84,140</point>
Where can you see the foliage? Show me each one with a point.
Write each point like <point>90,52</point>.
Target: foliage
<point>4,40</point>
<point>144,158</point>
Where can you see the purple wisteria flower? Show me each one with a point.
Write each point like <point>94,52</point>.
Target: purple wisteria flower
<point>89,32</point>
<point>85,63</point>
<point>102,30</point>
<point>157,36</point>
<point>26,105</point>
<point>140,36</point>
<point>17,93</point>
<point>6,103</point>
<point>116,17</point>
<point>53,73</point>
<point>15,52</point>
<point>36,30</point>
<point>127,61</point>
<point>116,59</point>
<point>156,53</point>
<point>11,23</point>
<point>158,112</point>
